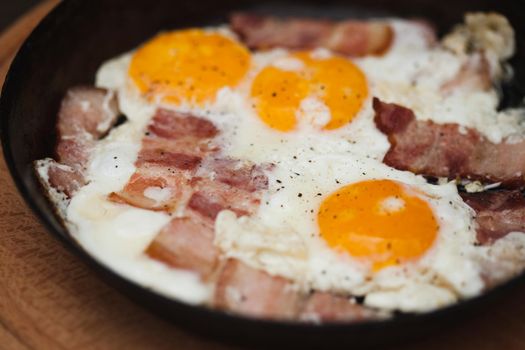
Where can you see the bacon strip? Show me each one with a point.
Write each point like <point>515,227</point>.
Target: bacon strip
<point>209,206</point>
<point>86,114</point>
<point>498,213</point>
<point>160,157</point>
<point>64,178</point>
<point>251,292</point>
<point>351,37</point>
<point>178,153</point>
<point>240,174</point>
<point>171,152</point>
<point>186,243</point>
<point>181,133</point>
<point>174,125</point>
<point>68,176</point>
<point>443,150</point>
<point>171,181</point>
<point>87,109</point>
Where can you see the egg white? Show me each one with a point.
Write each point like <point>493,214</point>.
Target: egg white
<point>411,75</point>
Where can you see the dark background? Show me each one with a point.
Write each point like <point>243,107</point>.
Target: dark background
<point>10,10</point>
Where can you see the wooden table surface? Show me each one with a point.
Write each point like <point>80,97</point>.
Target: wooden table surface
<point>51,300</point>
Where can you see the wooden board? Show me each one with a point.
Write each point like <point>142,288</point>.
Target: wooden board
<point>51,300</point>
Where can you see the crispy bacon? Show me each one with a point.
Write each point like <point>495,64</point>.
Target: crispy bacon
<point>164,158</point>
<point>74,152</point>
<point>322,306</point>
<point>445,150</point>
<point>211,204</point>
<point>64,178</point>
<point>498,213</point>
<point>178,133</point>
<point>244,175</point>
<point>186,243</point>
<point>171,150</point>
<point>87,109</point>
<point>172,180</point>
<point>173,125</point>
<point>251,292</point>
<point>351,37</point>
<point>187,145</point>
<point>227,196</point>
<point>205,206</point>
<point>85,115</point>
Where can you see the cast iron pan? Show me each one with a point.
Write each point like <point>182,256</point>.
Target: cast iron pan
<point>69,45</point>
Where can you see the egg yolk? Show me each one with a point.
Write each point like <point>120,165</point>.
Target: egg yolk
<point>188,66</point>
<point>335,81</point>
<point>379,221</point>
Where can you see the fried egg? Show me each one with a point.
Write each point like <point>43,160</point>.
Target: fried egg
<point>373,245</point>
<point>282,95</point>
<point>334,218</point>
<point>188,66</point>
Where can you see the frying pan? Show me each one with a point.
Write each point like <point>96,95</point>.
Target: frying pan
<point>73,40</point>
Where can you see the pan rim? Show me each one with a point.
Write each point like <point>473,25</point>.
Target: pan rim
<point>7,108</point>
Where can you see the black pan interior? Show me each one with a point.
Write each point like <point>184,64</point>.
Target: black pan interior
<point>71,43</point>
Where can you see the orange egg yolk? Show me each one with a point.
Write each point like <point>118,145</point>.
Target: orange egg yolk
<point>379,221</point>
<point>335,81</point>
<point>188,66</point>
